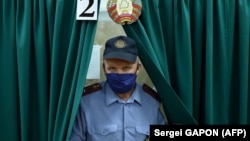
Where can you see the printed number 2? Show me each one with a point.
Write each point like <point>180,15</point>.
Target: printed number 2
<point>87,9</point>
<point>85,14</point>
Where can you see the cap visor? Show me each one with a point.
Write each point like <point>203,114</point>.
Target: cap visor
<point>121,55</point>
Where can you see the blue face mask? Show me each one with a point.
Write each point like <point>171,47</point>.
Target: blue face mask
<point>121,83</point>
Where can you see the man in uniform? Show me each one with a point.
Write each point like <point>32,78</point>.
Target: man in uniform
<point>118,109</point>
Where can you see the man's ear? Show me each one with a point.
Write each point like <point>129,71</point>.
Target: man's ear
<point>139,66</point>
<point>103,67</point>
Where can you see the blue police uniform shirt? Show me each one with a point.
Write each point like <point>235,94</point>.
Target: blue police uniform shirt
<point>103,116</point>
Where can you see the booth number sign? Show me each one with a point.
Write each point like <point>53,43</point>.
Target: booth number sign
<point>86,10</point>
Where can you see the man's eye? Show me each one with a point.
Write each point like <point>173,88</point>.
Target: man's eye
<point>126,68</point>
<point>112,69</point>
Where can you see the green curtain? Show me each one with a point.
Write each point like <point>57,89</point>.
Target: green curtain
<point>196,52</point>
<point>44,56</point>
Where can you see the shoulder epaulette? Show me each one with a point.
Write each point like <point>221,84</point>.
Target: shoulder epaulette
<point>151,92</point>
<point>91,88</point>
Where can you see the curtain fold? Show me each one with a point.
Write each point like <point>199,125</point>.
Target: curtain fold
<point>44,58</point>
<point>201,50</point>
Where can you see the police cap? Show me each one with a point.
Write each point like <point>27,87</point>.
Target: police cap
<point>121,47</point>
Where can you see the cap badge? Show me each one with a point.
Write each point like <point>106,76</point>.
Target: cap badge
<point>124,11</point>
<point>120,44</point>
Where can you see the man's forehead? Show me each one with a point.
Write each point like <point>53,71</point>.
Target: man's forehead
<point>117,61</point>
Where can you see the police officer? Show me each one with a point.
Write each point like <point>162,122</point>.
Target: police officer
<point>118,109</point>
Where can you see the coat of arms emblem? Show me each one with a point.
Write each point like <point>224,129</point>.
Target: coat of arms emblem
<point>124,11</point>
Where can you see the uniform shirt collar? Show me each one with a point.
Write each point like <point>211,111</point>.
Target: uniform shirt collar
<point>111,97</point>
